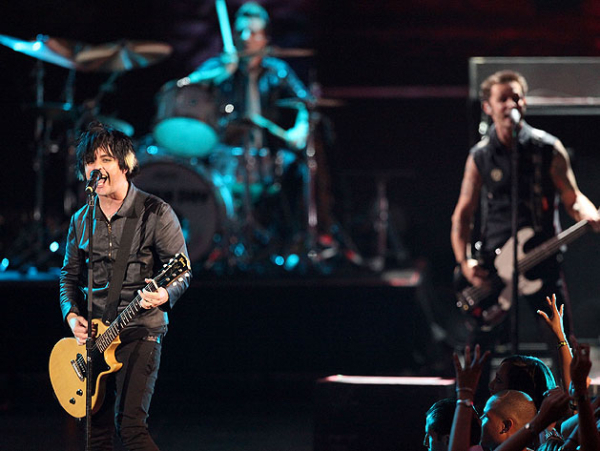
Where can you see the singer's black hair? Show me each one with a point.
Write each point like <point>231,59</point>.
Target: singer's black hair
<point>115,142</point>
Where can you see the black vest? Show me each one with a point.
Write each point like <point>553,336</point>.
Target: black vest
<point>537,195</point>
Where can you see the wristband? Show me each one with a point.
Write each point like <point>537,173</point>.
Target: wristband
<point>561,344</point>
<point>467,389</point>
<point>464,402</point>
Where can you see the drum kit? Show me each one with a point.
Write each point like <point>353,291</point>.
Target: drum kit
<point>218,191</point>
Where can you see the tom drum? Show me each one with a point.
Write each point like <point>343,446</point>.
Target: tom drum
<point>186,119</point>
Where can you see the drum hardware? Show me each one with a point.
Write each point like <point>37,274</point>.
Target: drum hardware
<point>59,52</point>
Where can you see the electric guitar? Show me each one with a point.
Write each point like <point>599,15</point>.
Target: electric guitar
<point>68,362</point>
<point>489,304</point>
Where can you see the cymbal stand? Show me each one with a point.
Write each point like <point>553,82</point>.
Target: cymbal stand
<point>252,232</point>
<point>312,220</point>
<point>40,138</point>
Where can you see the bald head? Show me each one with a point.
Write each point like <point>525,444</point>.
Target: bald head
<point>505,413</point>
<point>513,404</point>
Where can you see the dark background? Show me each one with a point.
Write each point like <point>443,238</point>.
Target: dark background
<point>414,133</point>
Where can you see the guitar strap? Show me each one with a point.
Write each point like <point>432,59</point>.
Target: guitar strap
<point>114,289</point>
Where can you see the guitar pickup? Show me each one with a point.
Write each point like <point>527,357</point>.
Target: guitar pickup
<point>79,367</point>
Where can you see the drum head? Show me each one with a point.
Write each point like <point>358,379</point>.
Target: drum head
<point>200,205</point>
<point>186,137</point>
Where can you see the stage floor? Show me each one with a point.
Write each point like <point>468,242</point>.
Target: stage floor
<point>232,416</point>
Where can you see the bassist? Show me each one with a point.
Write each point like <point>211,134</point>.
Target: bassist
<point>545,178</point>
<point>156,237</point>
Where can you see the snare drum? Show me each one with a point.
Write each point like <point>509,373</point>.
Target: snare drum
<point>186,120</point>
<point>202,203</point>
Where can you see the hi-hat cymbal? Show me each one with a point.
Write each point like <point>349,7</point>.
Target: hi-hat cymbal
<point>52,50</point>
<point>121,56</point>
<point>296,102</point>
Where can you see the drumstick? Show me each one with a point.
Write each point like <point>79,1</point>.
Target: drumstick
<point>228,46</point>
<point>270,126</point>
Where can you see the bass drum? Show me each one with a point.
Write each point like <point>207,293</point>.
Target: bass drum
<point>186,120</point>
<point>202,203</point>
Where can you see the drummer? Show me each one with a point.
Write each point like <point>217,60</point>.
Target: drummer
<point>248,82</point>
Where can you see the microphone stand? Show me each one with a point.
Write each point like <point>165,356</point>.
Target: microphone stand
<point>89,343</point>
<point>514,169</point>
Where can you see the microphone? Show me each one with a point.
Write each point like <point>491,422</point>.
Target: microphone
<point>95,177</point>
<point>515,115</point>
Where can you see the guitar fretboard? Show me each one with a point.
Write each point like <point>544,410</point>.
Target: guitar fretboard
<point>121,321</point>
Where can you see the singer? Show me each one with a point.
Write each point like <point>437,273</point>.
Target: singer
<point>545,177</point>
<point>105,157</point>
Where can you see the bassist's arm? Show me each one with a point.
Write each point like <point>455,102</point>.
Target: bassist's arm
<point>575,202</point>
<point>462,223</point>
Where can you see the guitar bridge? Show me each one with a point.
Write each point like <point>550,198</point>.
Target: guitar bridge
<point>79,366</point>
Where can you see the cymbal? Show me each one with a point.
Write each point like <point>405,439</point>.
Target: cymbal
<point>52,50</point>
<point>282,52</point>
<point>121,56</point>
<point>296,102</point>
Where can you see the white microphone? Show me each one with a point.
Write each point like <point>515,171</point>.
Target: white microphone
<point>515,115</point>
<point>95,177</point>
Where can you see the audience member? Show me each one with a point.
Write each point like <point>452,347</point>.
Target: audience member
<point>438,424</point>
<point>527,425</point>
<point>556,325</point>
<point>504,415</point>
<point>523,373</point>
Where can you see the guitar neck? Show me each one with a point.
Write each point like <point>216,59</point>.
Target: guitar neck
<point>552,246</point>
<point>121,321</point>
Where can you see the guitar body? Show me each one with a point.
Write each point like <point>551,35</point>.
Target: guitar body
<point>67,373</point>
<point>489,304</point>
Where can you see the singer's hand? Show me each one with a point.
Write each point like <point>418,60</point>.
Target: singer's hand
<point>79,327</point>
<point>151,299</point>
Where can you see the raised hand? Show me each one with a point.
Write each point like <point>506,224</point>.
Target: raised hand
<point>554,406</point>
<point>467,377</point>
<point>580,367</point>
<point>556,321</point>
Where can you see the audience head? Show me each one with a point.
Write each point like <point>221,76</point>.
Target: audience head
<point>438,424</point>
<point>505,413</point>
<point>524,373</point>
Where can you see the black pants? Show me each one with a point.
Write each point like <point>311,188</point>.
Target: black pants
<point>128,395</point>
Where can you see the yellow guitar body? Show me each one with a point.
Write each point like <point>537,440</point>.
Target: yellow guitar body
<point>67,373</point>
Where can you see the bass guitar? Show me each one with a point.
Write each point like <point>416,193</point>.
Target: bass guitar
<point>68,362</point>
<point>489,304</point>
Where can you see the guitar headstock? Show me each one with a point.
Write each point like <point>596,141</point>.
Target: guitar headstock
<point>177,267</point>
